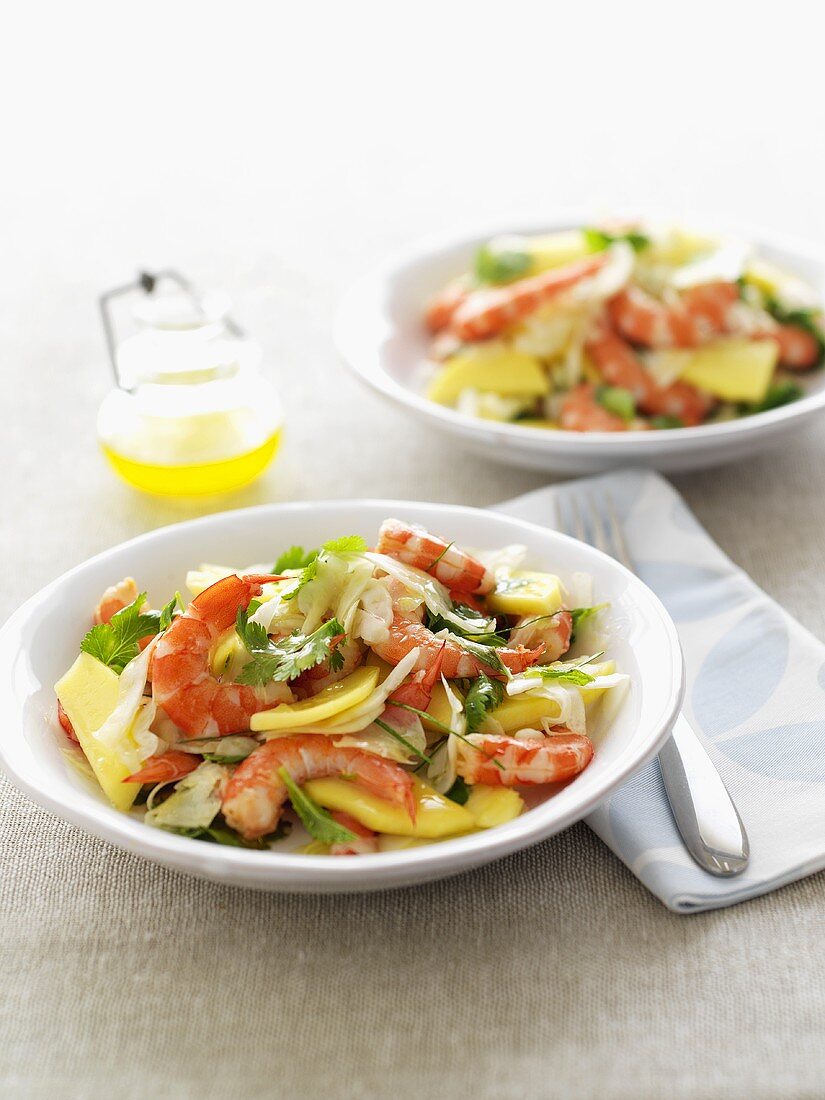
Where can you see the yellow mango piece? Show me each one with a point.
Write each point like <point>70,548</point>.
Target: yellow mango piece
<point>331,700</point>
<point>492,806</point>
<point>227,648</point>
<point>526,593</point>
<point>436,815</point>
<point>521,712</point>
<point>551,250</point>
<point>489,366</point>
<point>734,369</point>
<point>88,693</point>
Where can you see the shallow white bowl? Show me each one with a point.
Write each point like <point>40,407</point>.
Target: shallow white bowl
<point>380,334</point>
<point>41,640</point>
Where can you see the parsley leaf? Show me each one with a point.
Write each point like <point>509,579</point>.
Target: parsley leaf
<point>598,239</point>
<point>115,643</point>
<point>286,659</point>
<point>483,696</point>
<point>500,267</point>
<point>459,792</point>
<point>316,820</point>
<point>294,558</point>
<point>619,401</point>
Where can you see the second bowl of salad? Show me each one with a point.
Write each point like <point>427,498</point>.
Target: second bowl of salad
<point>572,346</point>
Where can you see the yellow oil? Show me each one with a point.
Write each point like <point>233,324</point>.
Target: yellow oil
<point>197,478</point>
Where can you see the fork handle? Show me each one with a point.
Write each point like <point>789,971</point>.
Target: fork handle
<point>704,811</point>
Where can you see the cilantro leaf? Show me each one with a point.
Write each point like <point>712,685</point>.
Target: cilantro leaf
<point>115,643</point>
<point>500,267</point>
<point>286,659</point>
<point>316,820</point>
<point>294,558</point>
<point>617,400</point>
<point>483,696</point>
<point>598,239</point>
<point>459,792</point>
<point>349,544</point>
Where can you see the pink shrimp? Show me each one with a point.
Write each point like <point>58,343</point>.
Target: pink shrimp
<point>699,314</point>
<point>581,412</point>
<point>165,768</point>
<point>798,348</point>
<point>366,840</point>
<point>115,598</point>
<point>554,633</point>
<point>406,633</point>
<point>448,563</point>
<point>619,365</point>
<point>489,311</point>
<point>255,795</point>
<point>66,723</point>
<point>440,311</point>
<point>501,761</point>
<point>182,682</point>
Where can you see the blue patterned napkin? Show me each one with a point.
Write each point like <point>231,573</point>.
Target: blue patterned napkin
<point>755,694</point>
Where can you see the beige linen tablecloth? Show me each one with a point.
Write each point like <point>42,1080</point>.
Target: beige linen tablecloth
<point>551,973</point>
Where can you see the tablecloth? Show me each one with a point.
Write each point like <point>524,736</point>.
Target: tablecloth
<point>247,159</point>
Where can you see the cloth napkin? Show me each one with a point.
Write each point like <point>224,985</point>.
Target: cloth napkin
<point>755,696</point>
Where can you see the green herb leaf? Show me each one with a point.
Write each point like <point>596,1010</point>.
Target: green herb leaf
<point>286,659</point>
<point>580,615</point>
<point>403,740</point>
<point>808,319</point>
<point>222,834</point>
<point>168,612</point>
<point>316,820</point>
<point>500,267</point>
<point>459,792</point>
<point>349,544</point>
<point>436,623</point>
<point>561,675</point>
<point>619,401</point>
<point>115,643</point>
<point>294,558</point>
<point>781,393</point>
<point>487,654</point>
<point>483,696</point>
<point>598,239</point>
<point>666,422</point>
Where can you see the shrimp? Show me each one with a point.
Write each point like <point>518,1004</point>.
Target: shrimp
<point>406,632</point>
<point>486,312</point>
<point>182,682</point>
<point>798,348</point>
<point>698,315</point>
<point>115,598</point>
<point>448,563</point>
<point>440,311</point>
<point>555,633</point>
<point>619,365</point>
<point>501,761</point>
<point>365,839</point>
<point>166,767</point>
<point>581,412</point>
<point>66,723</point>
<point>255,795</point>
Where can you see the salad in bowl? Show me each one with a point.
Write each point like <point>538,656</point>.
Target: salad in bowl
<point>623,327</point>
<point>366,700</point>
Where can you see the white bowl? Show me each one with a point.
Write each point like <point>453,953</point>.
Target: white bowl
<point>379,332</point>
<point>41,640</point>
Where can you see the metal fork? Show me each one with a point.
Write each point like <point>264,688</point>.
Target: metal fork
<point>703,809</point>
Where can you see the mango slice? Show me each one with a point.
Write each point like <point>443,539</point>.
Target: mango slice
<point>526,593</point>
<point>734,369</point>
<point>88,693</point>
<point>489,366</point>
<point>439,706</point>
<point>349,692</point>
<point>530,422</point>
<point>522,712</point>
<point>492,806</point>
<point>437,816</point>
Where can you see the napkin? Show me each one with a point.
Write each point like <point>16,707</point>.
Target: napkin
<point>755,697</point>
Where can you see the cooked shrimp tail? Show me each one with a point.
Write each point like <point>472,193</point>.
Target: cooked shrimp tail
<point>165,768</point>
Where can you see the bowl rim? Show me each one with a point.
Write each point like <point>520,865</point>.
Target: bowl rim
<point>363,299</point>
<point>266,868</point>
